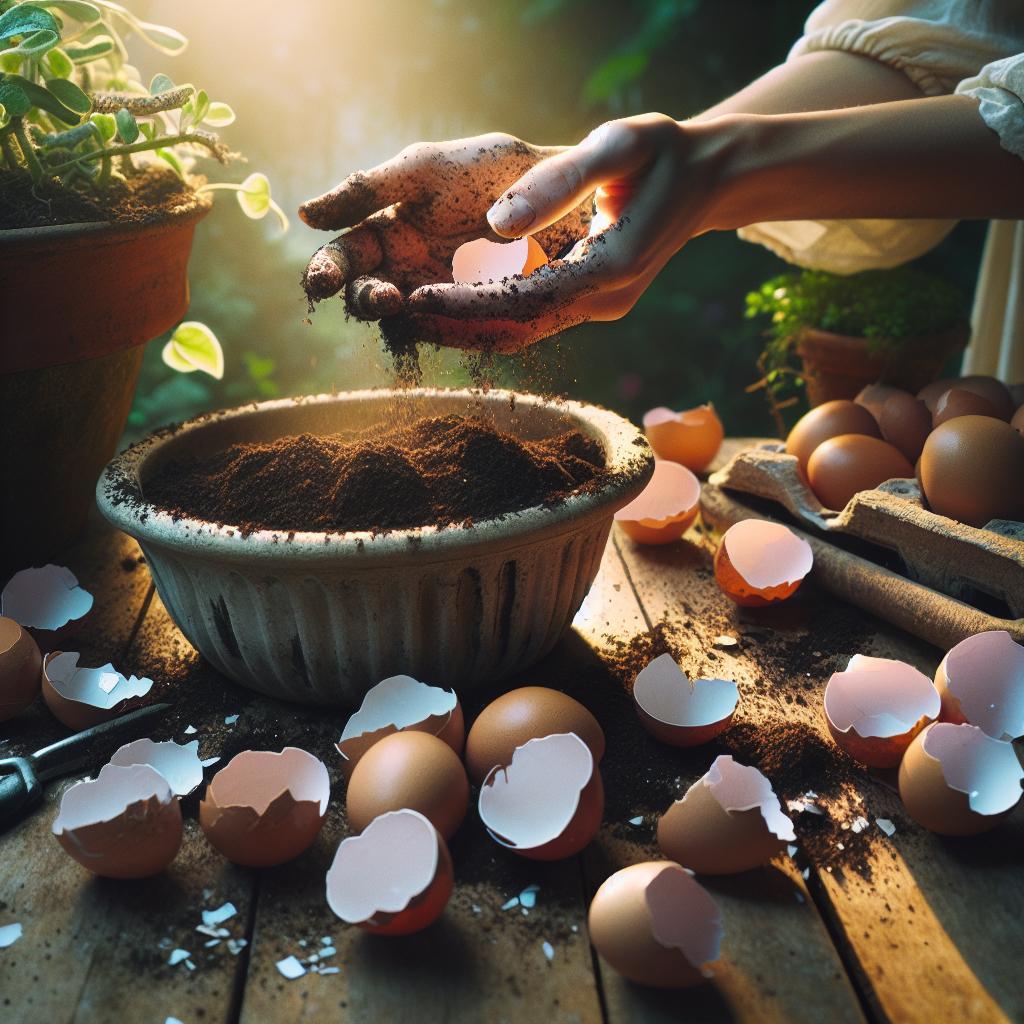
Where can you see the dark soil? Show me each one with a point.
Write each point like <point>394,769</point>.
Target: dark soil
<point>149,197</point>
<point>434,472</point>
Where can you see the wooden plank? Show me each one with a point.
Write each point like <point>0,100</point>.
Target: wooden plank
<point>931,926</point>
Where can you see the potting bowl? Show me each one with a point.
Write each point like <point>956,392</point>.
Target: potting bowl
<point>322,617</point>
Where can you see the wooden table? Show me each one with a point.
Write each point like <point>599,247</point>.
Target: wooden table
<point>932,930</point>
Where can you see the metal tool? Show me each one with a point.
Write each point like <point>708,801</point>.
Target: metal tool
<point>22,778</point>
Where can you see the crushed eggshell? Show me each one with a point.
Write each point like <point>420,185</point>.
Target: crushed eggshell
<point>876,707</point>
<point>290,967</point>
<point>264,808</point>
<point>663,511</point>
<point>21,669</point>
<point>394,878</point>
<point>547,803</point>
<point>212,918</point>
<point>886,826</point>
<point>82,697</point>
<point>981,681</point>
<point>398,703</point>
<point>48,597</point>
<point>179,764</point>
<point>125,823</point>
<point>9,934</point>
<point>655,925</point>
<point>691,438</point>
<point>481,260</point>
<point>681,712</point>
<point>760,562</point>
<point>729,820</point>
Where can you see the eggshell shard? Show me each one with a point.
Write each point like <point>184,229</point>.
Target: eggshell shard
<point>399,703</point>
<point>21,669</point>
<point>874,396</point>
<point>960,402</point>
<point>655,925</point>
<point>691,438</point>
<point>125,823</point>
<point>981,681</point>
<point>729,820</point>
<point>680,712</point>
<point>482,260</point>
<point>760,562</point>
<point>83,697</point>
<point>411,770</point>
<point>518,716</point>
<point>958,781</point>
<point>876,707</point>
<point>546,804</point>
<point>178,763</point>
<point>991,389</point>
<point>395,878</point>
<point>263,808</point>
<point>665,508</point>
<point>47,597</point>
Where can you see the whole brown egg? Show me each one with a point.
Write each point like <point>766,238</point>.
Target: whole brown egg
<point>961,402</point>
<point>827,421</point>
<point>844,465</point>
<point>906,423</point>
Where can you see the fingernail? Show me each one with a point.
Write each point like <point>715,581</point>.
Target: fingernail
<point>511,216</point>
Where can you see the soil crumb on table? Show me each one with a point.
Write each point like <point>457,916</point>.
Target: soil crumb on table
<point>434,472</point>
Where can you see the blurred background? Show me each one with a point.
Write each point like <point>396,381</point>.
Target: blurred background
<point>325,87</point>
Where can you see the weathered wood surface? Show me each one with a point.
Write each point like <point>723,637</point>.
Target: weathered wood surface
<point>934,935</point>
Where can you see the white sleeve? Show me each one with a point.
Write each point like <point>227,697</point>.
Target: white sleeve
<point>999,90</point>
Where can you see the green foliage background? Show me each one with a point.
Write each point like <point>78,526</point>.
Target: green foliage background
<point>324,87</point>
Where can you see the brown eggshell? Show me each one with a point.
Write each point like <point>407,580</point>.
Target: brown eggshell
<point>905,423</point>
<point>1018,420</point>
<point>760,562</point>
<point>691,438</point>
<point>126,823</point>
<point>995,391</point>
<point>972,470</point>
<point>704,836</point>
<point>21,669</point>
<point>73,705</point>
<point>522,715</point>
<point>832,419</point>
<point>843,466</point>
<point>960,402</point>
<point>931,393</point>
<point>409,770</point>
<point>934,787</point>
<point>643,901</point>
<point>395,878</point>
<point>666,507</point>
<point>874,396</point>
<point>263,808</point>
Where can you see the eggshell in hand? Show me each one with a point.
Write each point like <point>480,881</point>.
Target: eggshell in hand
<point>691,438</point>
<point>21,669</point>
<point>760,562</point>
<point>482,260</point>
<point>665,508</point>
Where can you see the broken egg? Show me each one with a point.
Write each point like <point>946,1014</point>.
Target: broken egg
<point>663,511</point>
<point>411,770</point>
<point>876,707</point>
<point>546,804</point>
<point>759,562</point>
<point>655,925</point>
<point>125,823</point>
<point>44,598</point>
<point>178,763</point>
<point>83,697</point>
<point>691,438</point>
<point>395,878</point>
<point>522,715</point>
<point>482,260</point>
<point>680,712</point>
<point>21,669</point>
<point>401,703</point>
<point>981,681</point>
<point>729,820</point>
<point>263,808</point>
<point>958,781</point>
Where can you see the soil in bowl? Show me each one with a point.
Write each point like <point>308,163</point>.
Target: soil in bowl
<point>436,471</point>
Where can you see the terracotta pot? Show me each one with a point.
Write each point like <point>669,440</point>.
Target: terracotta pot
<point>79,302</point>
<point>838,366</point>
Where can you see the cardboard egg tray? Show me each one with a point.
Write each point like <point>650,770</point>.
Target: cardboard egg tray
<point>884,552</point>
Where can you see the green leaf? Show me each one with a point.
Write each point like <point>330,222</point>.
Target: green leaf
<point>148,130</point>
<point>59,63</point>
<point>14,98</point>
<point>99,47</point>
<point>254,196</point>
<point>219,115</point>
<point>25,19</point>
<point>161,83</point>
<point>69,94</point>
<point>160,37</point>
<point>34,45</point>
<point>611,76</point>
<point>171,159</point>
<point>201,106</point>
<point>106,125</point>
<point>79,10</point>
<point>127,126</point>
<point>193,346</point>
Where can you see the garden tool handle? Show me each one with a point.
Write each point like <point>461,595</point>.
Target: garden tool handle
<point>19,788</point>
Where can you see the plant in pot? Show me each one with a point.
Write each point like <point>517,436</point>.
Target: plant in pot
<point>894,326</point>
<point>98,205</point>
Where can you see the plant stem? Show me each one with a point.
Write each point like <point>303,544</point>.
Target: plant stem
<point>10,157</point>
<point>35,168</point>
<point>136,147</point>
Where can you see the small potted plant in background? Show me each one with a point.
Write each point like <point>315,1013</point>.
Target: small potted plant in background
<point>98,205</point>
<point>894,326</point>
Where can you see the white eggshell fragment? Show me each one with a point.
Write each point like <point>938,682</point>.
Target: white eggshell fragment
<point>398,703</point>
<point>679,711</point>
<point>82,697</point>
<point>981,681</point>
<point>482,260</point>
<point>877,706</point>
<point>663,510</point>
<point>178,763</point>
<point>125,823</point>
<point>44,598</point>
<point>767,555</point>
<point>547,803</point>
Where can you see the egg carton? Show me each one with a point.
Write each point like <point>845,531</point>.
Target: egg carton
<point>959,579</point>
